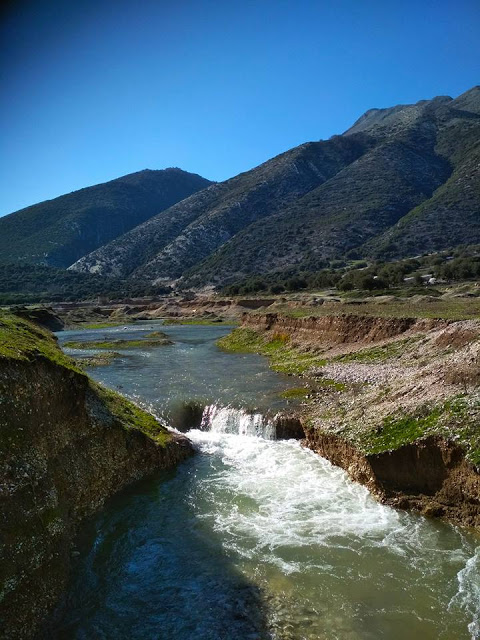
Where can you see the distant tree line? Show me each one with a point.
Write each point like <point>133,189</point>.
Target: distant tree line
<point>461,264</point>
<point>24,283</point>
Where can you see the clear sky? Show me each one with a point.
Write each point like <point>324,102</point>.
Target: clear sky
<point>96,89</point>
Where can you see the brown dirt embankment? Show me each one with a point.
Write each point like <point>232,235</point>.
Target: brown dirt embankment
<point>397,404</point>
<point>323,332</point>
<point>429,475</point>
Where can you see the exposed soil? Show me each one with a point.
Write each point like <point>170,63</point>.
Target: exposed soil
<point>401,408</point>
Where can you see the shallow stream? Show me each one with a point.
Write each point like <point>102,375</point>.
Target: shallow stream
<point>255,538</point>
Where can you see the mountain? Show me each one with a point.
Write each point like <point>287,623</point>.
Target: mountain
<point>178,238</point>
<point>60,231</point>
<point>400,181</point>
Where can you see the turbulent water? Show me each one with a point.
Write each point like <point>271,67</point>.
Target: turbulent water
<point>255,538</point>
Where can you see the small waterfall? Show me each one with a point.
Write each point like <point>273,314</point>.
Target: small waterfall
<point>219,419</point>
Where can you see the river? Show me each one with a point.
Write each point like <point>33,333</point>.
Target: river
<point>255,538</point>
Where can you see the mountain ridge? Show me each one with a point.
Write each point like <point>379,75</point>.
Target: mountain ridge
<point>400,181</point>
<point>59,231</point>
<point>364,183</point>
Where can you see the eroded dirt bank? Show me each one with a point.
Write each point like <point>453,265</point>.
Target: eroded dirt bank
<point>430,475</point>
<point>66,446</point>
<point>393,401</point>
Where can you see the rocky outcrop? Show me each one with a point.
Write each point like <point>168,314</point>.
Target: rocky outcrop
<point>67,445</point>
<point>430,475</point>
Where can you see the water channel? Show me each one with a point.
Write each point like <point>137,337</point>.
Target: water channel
<point>254,538</point>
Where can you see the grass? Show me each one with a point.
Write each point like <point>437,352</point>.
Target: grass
<point>283,358</point>
<point>132,417</point>
<point>118,344</point>
<point>397,431</point>
<point>21,339</point>
<point>374,355</point>
<point>449,309</point>
<point>328,383</point>
<point>455,419</point>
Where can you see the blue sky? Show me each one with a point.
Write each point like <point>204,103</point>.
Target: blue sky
<point>98,89</point>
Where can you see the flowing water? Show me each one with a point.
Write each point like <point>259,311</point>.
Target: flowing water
<point>255,538</point>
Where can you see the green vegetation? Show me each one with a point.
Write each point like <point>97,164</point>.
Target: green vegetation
<point>397,431</point>
<point>446,308</point>
<point>131,416</point>
<point>60,231</point>
<point>21,339</point>
<point>328,383</point>
<point>160,341</point>
<point>283,358</point>
<point>457,418</point>
<point>379,353</point>
<point>26,283</point>
<point>370,277</point>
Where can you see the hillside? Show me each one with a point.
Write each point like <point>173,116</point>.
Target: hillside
<point>60,231</point>
<point>400,181</point>
<point>181,236</point>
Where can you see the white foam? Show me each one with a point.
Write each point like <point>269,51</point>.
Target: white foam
<point>278,504</point>
<point>468,594</point>
<point>220,419</point>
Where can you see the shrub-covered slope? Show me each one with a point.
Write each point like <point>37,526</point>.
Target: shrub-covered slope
<point>60,231</point>
<point>183,235</point>
<point>400,181</point>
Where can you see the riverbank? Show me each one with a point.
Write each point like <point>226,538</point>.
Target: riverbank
<point>67,445</point>
<point>393,401</point>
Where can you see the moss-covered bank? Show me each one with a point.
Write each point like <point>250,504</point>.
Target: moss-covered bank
<point>66,445</point>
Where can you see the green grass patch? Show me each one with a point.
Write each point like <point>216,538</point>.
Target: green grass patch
<point>378,354</point>
<point>111,345</point>
<point>328,383</point>
<point>397,431</point>
<point>131,416</point>
<point>21,339</point>
<point>449,309</point>
<point>282,356</point>
<point>462,417</point>
<point>456,419</point>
